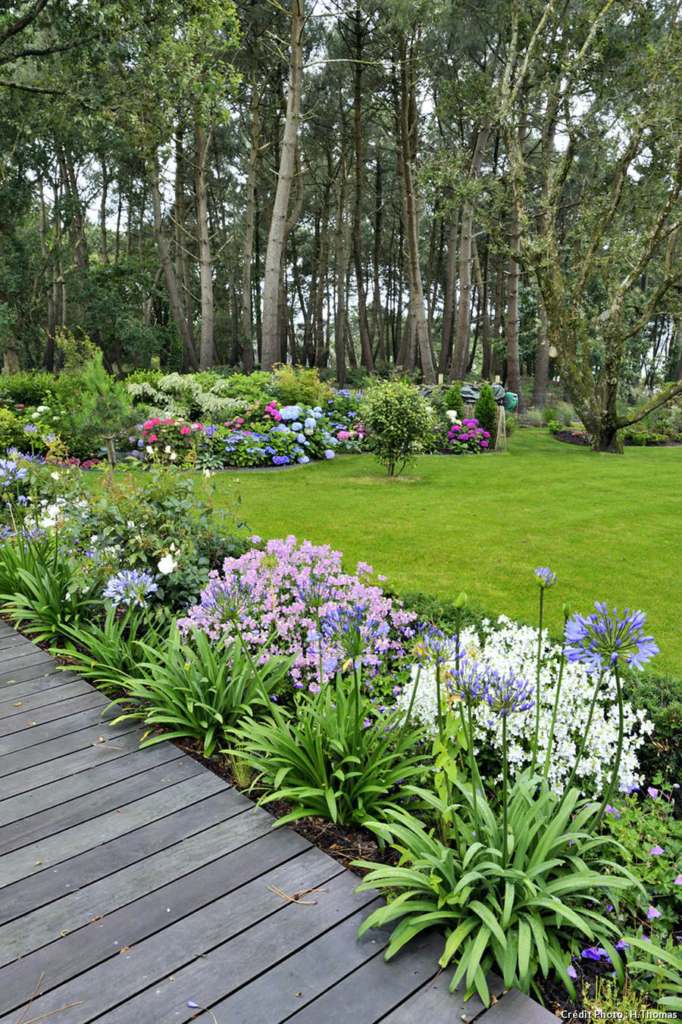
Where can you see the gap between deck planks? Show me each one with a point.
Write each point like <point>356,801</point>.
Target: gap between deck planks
<point>136,882</point>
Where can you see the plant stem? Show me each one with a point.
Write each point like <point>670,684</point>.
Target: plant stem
<point>585,734</point>
<point>555,710</point>
<point>472,764</point>
<point>619,747</point>
<point>412,698</point>
<point>439,708</point>
<point>536,736</point>
<point>505,774</point>
<point>357,707</point>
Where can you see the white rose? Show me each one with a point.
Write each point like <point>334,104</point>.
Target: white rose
<point>167,565</point>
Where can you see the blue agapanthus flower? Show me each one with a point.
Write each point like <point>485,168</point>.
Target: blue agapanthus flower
<point>435,648</point>
<point>31,428</point>
<point>131,587</point>
<point>507,693</point>
<point>546,578</point>
<point>602,640</point>
<point>470,680</point>
<point>11,473</point>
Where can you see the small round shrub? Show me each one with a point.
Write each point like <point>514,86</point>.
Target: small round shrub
<point>453,400</point>
<point>399,422</point>
<point>485,410</point>
<point>296,385</point>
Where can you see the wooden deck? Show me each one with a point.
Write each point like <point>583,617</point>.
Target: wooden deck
<point>135,887</point>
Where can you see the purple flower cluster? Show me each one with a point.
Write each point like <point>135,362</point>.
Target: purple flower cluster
<point>468,436</point>
<point>601,641</point>
<point>131,587</point>
<point>299,604</point>
<point>504,693</point>
<point>546,578</point>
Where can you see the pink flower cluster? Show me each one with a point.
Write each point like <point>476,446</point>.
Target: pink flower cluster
<point>468,436</point>
<point>290,587</point>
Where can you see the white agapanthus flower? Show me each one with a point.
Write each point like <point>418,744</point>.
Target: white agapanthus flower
<point>512,646</point>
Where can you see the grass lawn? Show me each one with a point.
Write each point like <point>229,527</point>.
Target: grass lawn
<point>608,525</point>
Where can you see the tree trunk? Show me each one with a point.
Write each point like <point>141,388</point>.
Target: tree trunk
<point>460,357</point>
<point>322,268</point>
<point>247,301</point>
<point>377,327</point>
<point>678,375</point>
<point>276,239</point>
<point>169,273</point>
<point>103,214</point>
<point>482,289</point>
<point>341,240</point>
<point>366,359</point>
<point>48,356</point>
<point>450,295</point>
<point>513,365</point>
<point>205,263</point>
<point>408,116</point>
<point>541,358</point>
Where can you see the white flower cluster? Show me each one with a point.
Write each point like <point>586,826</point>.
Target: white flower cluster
<point>512,646</point>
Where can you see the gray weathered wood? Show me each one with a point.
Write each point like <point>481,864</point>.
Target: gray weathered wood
<point>61,767</point>
<point>516,1008</point>
<point>102,733</point>
<point>39,716</point>
<point>115,796</point>
<point>237,902</point>
<point>53,794</point>
<point>185,841</point>
<point>21,741</point>
<point>45,853</point>
<point>435,1002</point>
<point>28,681</point>
<point>44,698</point>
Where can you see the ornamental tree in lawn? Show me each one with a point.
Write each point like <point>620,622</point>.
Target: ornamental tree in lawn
<point>399,423</point>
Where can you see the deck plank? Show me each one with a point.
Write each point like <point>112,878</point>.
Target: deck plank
<point>44,714</point>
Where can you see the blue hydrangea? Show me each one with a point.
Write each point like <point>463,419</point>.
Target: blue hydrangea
<point>297,426</point>
<point>310,423</point>
<point>300,438</point>
<point>303,459</point>
<point>329,454</point>
<point>290,412</point>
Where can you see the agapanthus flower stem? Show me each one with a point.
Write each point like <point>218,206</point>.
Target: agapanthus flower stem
<point>356,687</point>
<point>412,698</point>
<point>439,705</point>
<point>472,765</point>
<point>619,747</point>
<point>536,735</point>
<point>555,709</point>
<point>586,733</point>
<point>505,789</point>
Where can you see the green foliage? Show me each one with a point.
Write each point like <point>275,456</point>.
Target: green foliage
<point>43,589</point>
<point>187,396</point>
<point>296,385</point>
<point>175,357</point>
<point>11,431</point>
<point>105,409</point>
<point>320,761</point>
<point>452,400</point>
<point>29,387</point>
<point>251,388</point>
<point>641,824</point>
<point>196,690</point>
<point>485,410</point>
<point>399,422</point>
<point>661,697</point>
<point>518,918</point>
<point>168,517</point>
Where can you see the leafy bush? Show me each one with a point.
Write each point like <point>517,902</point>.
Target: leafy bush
<point>251,388</point>
<point>324,763</point>
<point>187,396</point>
<point>29,387</point>
<point>661,697</point>
<point>534,417</point>
<point>294,385</point>
<point>650,837</point>
<point>485,409</point>
<point>192,690</point>
<point>11,431</point>
<point>452,399</point>
<point>512,901</point>
<point>399,423</point>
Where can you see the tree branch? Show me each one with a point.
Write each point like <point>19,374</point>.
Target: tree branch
<point>21,23</point>
<point>656,402</point>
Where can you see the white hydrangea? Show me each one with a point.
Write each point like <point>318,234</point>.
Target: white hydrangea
<point>512,646</point>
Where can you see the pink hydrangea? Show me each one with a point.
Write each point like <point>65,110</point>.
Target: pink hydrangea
<point>286,581</point>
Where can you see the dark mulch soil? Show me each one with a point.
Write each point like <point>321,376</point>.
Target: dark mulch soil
<point>581,437</point>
